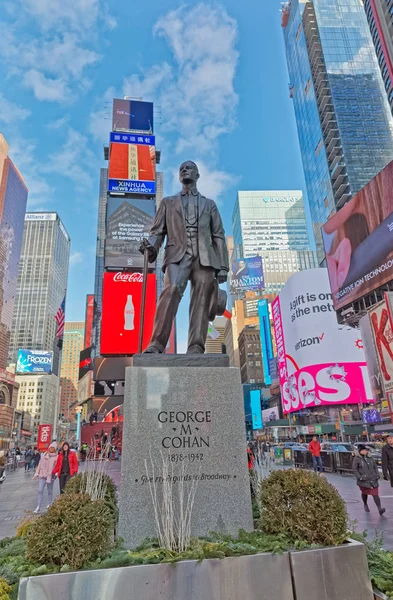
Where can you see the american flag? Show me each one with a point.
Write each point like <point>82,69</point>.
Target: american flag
<point>60,319</point>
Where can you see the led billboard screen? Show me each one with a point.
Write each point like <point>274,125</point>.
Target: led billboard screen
<point>128,221</point>
<point>121,309</point>
<point>132,164</point>
<point>255,399</point>
<point>382,331</point>
<point>319,364</point>
<point>34,361</point>
<point>246,274</point>
<point>132,115</point>
<point>89,315</point>
<point>85,362</point>
<point>44,437</point>
<point>358,241</point>
<point>266,339</point>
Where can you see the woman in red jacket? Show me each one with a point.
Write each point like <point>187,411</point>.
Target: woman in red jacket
<point>66,465</point>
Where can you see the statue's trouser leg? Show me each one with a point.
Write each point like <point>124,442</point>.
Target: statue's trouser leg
<point>202,279</point>
<point>175,283</point>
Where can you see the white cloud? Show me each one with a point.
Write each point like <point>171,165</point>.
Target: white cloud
<point>44,88</point>
<point>77,15</point>
<point>11,112</point>
<point>74,160</point>
<point>22,153</point>
<point>76,258</point>
<point>197,97</point>
<point>58,124</point>
<point>58,54</point>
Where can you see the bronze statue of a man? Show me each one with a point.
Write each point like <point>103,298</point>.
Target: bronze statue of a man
<point>195,250</point>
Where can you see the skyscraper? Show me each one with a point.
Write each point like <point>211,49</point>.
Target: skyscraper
<point>380,19</point>
<point>73,343</point>
<point>272,224</point>
<point>41,286</point>
<point>100,256</point>
<point>13,199</point>
<point>343,117</point>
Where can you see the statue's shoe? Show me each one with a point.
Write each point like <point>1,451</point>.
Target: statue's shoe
<point>152,350</point>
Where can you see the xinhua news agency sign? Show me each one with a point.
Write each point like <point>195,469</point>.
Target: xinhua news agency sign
<point>132,164</point>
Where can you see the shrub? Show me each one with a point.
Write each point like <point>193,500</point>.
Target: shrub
<point>303,506</point>
<point>73,531</point>
<point>5,589</point>
<point>25,524</point>
<point>78,484</point>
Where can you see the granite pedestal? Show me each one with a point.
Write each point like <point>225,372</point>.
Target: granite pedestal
<point>193,417</point>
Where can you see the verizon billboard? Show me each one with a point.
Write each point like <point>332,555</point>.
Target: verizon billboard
<point>121,309</point>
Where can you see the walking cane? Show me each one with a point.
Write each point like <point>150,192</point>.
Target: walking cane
<point>143,302</point>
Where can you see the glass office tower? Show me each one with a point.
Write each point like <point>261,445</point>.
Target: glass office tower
<point>41,285</point>
<point>269,220</point>
<point>343,117</point>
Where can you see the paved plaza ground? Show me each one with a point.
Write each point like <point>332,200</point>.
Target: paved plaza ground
<point>18,494</point>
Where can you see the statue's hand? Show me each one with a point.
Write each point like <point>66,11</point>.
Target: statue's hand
<point>147,247</point>
<point>222,276</point>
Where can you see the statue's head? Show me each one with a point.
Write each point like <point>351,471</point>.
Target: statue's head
<point>188,172</point>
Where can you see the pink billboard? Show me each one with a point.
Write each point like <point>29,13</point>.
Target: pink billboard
<point>319,364</point>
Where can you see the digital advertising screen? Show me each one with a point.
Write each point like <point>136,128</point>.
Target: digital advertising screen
<point>382,332</point>
<point>121,311</point>
<point>128,221</point>
<point>255,399</point>
<point>270,414</point>
<point>132,115</point>
<point>319,363</point>
<point>358,241</point>
<point>266,339</point>
<point>246,274</point>
<point>132,164</point>
<point>34,361</point>
<point>85,362</point>
<point>44,437</point>
<point>89,316</point>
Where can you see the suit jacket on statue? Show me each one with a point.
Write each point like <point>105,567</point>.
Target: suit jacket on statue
<point>170,221</point>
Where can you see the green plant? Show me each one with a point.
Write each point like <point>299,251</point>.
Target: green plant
<point>24,525</point>
<point>5,589</point>
<point>303,506</point>
<point>79,484</point>
<point>380,563</point>
<point>73,531</point>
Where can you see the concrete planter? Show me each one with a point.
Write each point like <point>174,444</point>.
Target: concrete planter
<point>380,596</point>
<point>338,573</point>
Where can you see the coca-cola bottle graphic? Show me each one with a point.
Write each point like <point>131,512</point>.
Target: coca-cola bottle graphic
<point>129,313</point>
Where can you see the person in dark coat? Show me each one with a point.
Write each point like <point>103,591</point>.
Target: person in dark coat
<point>387,460</point>
<point>367,475</point>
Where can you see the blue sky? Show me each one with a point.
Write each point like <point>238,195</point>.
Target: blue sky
<point>216,72</point>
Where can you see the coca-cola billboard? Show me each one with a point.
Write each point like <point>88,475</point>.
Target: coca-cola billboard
<point>121,310</point>
<point>44,437</point>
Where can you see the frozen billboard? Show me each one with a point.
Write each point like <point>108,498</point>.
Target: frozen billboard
<point>318,362</point>
<point>34,361</point>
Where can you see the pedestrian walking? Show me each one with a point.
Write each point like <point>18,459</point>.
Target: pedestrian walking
<point>36,458</point>
<point>367,475</point>
<point>45,476</point>
<point>387,460</point>
<point>66,465</point>
<point>28,458</point>
<point>3,464</point>
<point>315,449</point>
